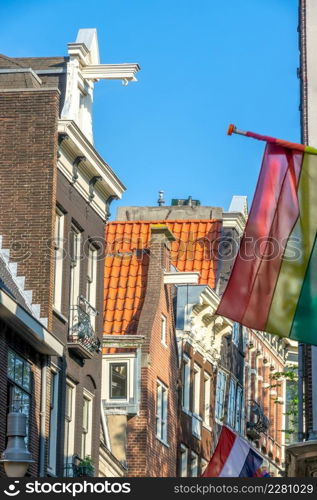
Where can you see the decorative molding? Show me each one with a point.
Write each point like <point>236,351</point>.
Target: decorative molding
<point>181,278</point>
<point>125,72</point>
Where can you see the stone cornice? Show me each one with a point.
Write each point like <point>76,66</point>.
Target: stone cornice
<point>81,144</point>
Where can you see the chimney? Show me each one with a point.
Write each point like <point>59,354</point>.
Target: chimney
<point>160,246</point>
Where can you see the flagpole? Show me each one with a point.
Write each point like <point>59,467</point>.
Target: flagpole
<point>232,129</point>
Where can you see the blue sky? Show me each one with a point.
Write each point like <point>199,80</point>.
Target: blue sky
<point>204,65</point>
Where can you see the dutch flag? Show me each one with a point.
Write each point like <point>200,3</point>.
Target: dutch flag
<point>233,457</point>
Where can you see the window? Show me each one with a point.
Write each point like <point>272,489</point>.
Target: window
<point>69,426</point>
<point>196,390</point>
<point>161,412</point>
<point>91,287</point>
<point>163,329</point>
<point>53,433</point>
<point>58,258</point>
<point>87,425</point>
<point>231,403</point>
<point>118,380</point>
<point>75,253</point>
<point>193,464</point>
<point>239,405</point>
<point>20,386</point>
<point>186,383</point>
<point>220,394</point>
<point>184,461</point>
<point>206,399</point>
<point>235,333</point>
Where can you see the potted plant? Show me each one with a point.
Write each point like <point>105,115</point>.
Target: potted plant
<point>86,467</point>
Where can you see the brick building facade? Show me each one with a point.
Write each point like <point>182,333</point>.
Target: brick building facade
<point>55,196</point>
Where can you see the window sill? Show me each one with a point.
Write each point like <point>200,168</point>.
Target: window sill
<point>188,412</point>
<point>59,315</point>
<point>163,442</point>
<point>206,426</point>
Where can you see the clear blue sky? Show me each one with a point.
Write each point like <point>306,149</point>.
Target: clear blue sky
<point>205,63</point>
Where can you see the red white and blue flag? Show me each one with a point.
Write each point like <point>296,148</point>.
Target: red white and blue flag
<point>233,457</point>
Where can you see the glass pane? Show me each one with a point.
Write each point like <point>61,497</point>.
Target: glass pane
<point>11,358</point>
<point>85,414</point>
<point>118,380</point>
<point>68,403</point>
<point>27,377</point>
<point>18,374</point>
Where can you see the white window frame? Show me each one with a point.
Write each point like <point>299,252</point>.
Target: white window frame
<point>186,384</point>
<point>183,460</point>
<point>220,395</point>
<point>131,378</point>
<point>231,413</point>
<point>91,283</point>
<point>58,258</point>
<point>164,330</point>
<point>76,235</point>
<point>196,389</point>
<point>207,396</point>
<point>203,465</point>
<point>193,464</point>
<point>239,409</point>
<point>86,438</point>
<point>53,421</point>
<point>161,412</point>
<point>69,452</point>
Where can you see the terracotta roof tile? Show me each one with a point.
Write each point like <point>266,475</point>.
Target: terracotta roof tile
<point>126,264</point>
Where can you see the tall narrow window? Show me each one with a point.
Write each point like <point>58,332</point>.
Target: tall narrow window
<point>58,258</point>
<point>91,288</point>
<point>87,425</point>
<point>163,329</point>
<point>75,252</point>
<point>239,402</point>
<point>220,394</point>
<point>186,383</point>
<point>183,461</point>
<point>231,403</point>
<point>69,428</point>
<point>235,333</point>
<point>207,399</point>
<point>20,386</point>
<point>193,464</point>
<point>161,412</point>
<point>53,432</point>
<point>196,390</point>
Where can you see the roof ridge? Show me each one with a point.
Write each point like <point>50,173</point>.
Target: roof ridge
<point>161,220</point>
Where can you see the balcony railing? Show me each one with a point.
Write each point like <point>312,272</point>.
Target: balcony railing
<point>259,423</point>
<point>82,337</point>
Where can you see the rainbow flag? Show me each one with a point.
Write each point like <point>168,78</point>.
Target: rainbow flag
<point>273,283</point>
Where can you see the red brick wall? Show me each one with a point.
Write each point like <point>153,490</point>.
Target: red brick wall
<point>8,339</point>
<point>203,447</point>
<point>28,137</point>
<point>265,361</point>
<point>147,456</point>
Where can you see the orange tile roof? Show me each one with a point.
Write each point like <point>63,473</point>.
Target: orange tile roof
<point>126,264</point>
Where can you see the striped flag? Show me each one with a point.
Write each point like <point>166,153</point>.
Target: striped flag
<point>233,457</point>
<point>273,283</point>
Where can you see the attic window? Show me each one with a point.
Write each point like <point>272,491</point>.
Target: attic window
<point>118,380</point>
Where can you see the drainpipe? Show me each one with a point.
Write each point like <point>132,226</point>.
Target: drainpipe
<point>300,392</point>
<point>43,417</point>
